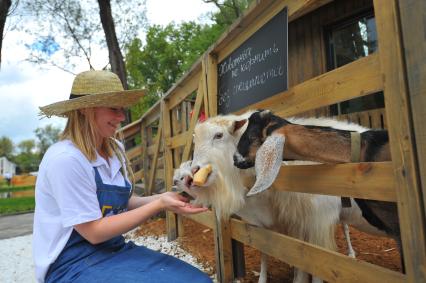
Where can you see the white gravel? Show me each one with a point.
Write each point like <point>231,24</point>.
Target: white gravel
<point>16,262</point>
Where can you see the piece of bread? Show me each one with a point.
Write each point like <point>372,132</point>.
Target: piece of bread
<point>201,175</point>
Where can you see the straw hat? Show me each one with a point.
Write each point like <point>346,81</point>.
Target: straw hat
<point>94,89</point>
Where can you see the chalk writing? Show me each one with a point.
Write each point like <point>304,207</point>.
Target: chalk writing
<point>255,70</point>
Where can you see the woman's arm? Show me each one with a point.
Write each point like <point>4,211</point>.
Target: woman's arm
<point>105,228</point>
<point>135,201</point>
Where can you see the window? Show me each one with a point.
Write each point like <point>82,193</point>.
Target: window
<point>346,42</point>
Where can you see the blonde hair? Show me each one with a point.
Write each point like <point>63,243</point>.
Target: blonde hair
<point>81,130</point>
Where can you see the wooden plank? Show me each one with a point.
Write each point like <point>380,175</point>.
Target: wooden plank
<point>204,85</point>
<point>155,159</point>
<point>194,119</point>
<point>145,156</point>
<point>138,175</point>
<point>223,246</point>
<point>134,152</point>
<point>355,79</point>
<point>212,83</point>
<point>130,129</point>
<point>402,141</point>
<point>361,180</point>
<point>178,140</point>
<point>328,265</point>
<point>182,90</point>
<point>167,131</point>
<point>415,58</point>
<point>257,16</point>
<point>175,131</point>
<point>205,218</point>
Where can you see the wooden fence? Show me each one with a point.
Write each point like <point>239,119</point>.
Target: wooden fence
<point>164,139</point>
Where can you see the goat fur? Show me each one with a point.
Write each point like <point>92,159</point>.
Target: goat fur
<point>307,217</point>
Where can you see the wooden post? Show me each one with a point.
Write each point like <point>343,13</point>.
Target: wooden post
<point>401,134</point>
<point>145,158</point>
<point>223,250</point>
<point>171,219</point>
<point>211,70</point>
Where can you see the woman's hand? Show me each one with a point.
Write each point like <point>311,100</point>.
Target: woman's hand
<point>179,204</point>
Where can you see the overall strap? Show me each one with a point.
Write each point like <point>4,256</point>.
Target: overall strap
<point>98,178</point>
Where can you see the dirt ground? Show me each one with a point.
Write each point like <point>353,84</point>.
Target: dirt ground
<point>198,240</point>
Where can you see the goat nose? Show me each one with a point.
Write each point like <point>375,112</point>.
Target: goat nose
<point>195,169</point>
<point>175,182</point>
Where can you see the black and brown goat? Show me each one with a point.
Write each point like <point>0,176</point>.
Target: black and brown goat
<point>270,139</point>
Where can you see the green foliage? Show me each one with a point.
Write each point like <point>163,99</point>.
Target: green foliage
<point>170,51</point>
<point>6,147</point>
<point>14,205</point>
<point>46,137</point>
<point>229,11</point>
<point>27,162</point>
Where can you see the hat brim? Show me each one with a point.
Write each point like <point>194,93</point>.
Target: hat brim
<point>123,98</point>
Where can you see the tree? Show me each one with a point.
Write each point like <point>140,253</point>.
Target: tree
<point>4,11</point>
<point>26,146</point>
<point>229,10</point>
<point>27,160</point>
<point>6,147</point>
<point>169,52</point>
<point>46,137</point>
<point>72,26</point>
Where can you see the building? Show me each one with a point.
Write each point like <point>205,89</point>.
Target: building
<point>7,168</point>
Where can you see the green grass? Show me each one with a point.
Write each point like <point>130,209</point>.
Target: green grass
<point>16,189</point>
<point>14,205</point>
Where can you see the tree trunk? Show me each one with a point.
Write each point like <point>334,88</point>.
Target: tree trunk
<point>115,57</point>
<point>4,9</point>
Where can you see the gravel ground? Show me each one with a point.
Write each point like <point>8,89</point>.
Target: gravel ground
<point>16,263</point>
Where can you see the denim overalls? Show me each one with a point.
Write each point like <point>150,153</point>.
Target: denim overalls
<point>114,260</point>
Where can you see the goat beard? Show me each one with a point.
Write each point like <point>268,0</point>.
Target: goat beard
<point>224,191</point>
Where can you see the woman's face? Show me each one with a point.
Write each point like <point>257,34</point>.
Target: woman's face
<point>108,119</point>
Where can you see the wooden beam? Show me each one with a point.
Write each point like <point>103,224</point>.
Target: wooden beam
<point>134,152</point>
<point>328,265</point>
<point>255,17</point>
<point>212,83</point>
<point>355,79</point>
<point>205,218</point>
<point>413,15</point>
<point>171,219</point>
<point>361,180</point>
<point>157,144</point>
<point>223,252</point>
<point>182,91</point>
<point>402,140</point>
<point>194,119</point>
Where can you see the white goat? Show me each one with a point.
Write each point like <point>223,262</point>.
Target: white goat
<point>307,217</point>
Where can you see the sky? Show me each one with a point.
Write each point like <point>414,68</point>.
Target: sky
<point>24,86</point>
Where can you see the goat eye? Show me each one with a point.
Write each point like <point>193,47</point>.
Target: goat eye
<point>218,136</point>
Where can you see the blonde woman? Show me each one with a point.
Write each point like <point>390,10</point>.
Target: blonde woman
<point>84,200</point>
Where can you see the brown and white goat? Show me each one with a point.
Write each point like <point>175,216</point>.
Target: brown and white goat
<point>308,217</point>
<point>269,139</point>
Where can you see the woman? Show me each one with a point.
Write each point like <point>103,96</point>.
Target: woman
<point>84,199</point>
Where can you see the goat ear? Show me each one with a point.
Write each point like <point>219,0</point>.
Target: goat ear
<point>238,125</point>
<point>268,163</point>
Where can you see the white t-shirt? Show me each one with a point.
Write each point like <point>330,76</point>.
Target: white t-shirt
<point>65,196</point>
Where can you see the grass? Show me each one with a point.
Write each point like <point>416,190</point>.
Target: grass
<point>15,189</point>
<point>14,205</point>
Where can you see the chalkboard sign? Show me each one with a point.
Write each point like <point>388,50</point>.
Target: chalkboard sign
<point>257,69</point>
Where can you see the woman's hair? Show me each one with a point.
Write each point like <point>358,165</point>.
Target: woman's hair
<point>80,129</point>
